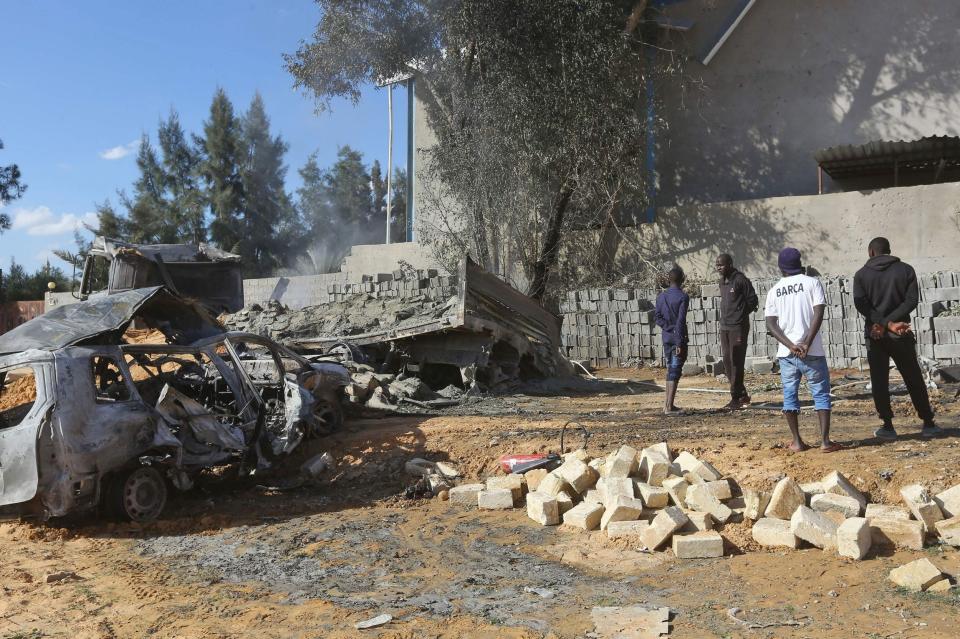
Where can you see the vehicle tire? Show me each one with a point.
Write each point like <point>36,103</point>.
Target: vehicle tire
<point>328,414</point>
<point>137,495</point>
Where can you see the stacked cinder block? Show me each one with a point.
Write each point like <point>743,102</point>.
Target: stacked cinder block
<point>424,284</point>
<point>615,327</point>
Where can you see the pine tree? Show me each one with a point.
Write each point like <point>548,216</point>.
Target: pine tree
<point>348,185</point>
<point>269,221</point>
<point>11,188</point>
<point>322,226</point>
<point>186,199</point>
<point>222,145</point>
<point>146,208</point>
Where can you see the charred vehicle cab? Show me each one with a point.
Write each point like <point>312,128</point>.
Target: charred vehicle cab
<point>88,419</point>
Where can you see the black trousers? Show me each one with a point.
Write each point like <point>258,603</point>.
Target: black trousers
<point>733,345</point>
<point>903,352</point>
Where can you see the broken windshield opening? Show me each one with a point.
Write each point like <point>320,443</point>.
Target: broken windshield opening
<point>18,394</point>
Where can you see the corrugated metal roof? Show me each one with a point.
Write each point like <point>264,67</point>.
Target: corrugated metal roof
<point>880,156</point>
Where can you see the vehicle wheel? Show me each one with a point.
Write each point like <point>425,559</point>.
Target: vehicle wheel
<point>327,414</point>
<point>138,495</point>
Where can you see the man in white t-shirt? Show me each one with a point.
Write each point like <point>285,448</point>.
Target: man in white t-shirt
<point>794,312</point>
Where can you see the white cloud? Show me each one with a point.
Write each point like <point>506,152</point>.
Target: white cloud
<point>118,152</point>
<point>42,221</point>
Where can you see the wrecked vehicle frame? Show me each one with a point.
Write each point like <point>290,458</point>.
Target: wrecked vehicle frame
<point>112,424</point>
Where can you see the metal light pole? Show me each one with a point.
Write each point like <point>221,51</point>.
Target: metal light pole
<point>389,155</point>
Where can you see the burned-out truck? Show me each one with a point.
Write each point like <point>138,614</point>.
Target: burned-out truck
<point>199,272</point>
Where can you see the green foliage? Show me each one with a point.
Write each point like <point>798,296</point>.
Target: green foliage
<point>223,147</point>
<point>11,188</point>
<point>271,230</point>
<point>538,108</point>
<point>18,285</point>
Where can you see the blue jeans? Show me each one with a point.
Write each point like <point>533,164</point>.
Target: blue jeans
<point>815,369</point>
<point>674,362</point>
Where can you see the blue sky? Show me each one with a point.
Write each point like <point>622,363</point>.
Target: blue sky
<point>83,80</point>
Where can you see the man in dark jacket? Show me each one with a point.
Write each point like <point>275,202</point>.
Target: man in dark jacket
<point>737,301</point>
<point>885,292</point>
<point>671,317</point>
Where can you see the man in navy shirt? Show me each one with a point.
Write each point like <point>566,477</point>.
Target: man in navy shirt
<point>671,316</point>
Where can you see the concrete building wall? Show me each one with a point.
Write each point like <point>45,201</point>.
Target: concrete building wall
<point>832,231</point>
<point>795,77</point>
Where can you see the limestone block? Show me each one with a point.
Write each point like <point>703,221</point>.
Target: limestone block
<point>697,545</point>
<point>949,531</point>
<point>814,527</point>
<point>755,503</point>
<point>786,498</point>
<point>940,586</point>
<point>886,512</point>
<point>622,463</point>
<point>516,484</point>
<point>903,533</point>
<point>576,473</point>
<point>686,461</point>
<point>534,477</point>
<point>692,478</point>
<point>812,488</point>
<point>697,522</point>
<point>667,522</point>
<point>827,502</point>
<point>622,508</point>
<point>774,532</point>
<point>660,448</point>
<point>676,487</point>
<point>612,487</point>
<point>600,465</point>
<point>543,509</point>
<point>836,483</point>
<point>579,454</point>
<point>720,489</point>
<point>593,495</point>
<point>552,484</point>
<point>854,538</point>
<point>707,472</point>
<point>949,501</point>
<point>700,498</point>
<point>627,529</point>
<point>496,499</point>
<point>564,502</point>
<point>917,575</point>
<point>923,508</point>
<point>466,494</point>
<point>653,496</point>
<point>654,467</point>
<point>584,515</point>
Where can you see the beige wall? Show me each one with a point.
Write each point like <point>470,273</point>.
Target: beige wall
<point>832,231</point>
<point>796,77</point>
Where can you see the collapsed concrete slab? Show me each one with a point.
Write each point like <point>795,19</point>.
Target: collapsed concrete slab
<point>471,327</point>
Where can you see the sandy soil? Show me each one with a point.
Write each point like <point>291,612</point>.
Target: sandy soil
<point>246,558</point>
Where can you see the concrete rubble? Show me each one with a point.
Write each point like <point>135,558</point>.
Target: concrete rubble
<point>660,500</point>
<point>418,338</point>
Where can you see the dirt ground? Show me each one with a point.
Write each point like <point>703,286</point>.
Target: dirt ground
<point>248,558</point>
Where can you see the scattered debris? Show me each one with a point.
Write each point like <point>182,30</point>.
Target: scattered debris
<point>630,622</point>
<point>733,612</point>
<point>375,622</point>
<point>61,575</point>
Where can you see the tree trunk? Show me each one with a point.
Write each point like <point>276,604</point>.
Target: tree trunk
<point>551,244</point>
<point>609,241</point>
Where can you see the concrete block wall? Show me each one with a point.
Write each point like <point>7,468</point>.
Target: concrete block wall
<point>615,327</point>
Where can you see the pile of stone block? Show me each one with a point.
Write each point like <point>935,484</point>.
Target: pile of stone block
<point>422,284</point>
<point>833,514</point>
<point>649,496</point>
<point>615,326</point>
